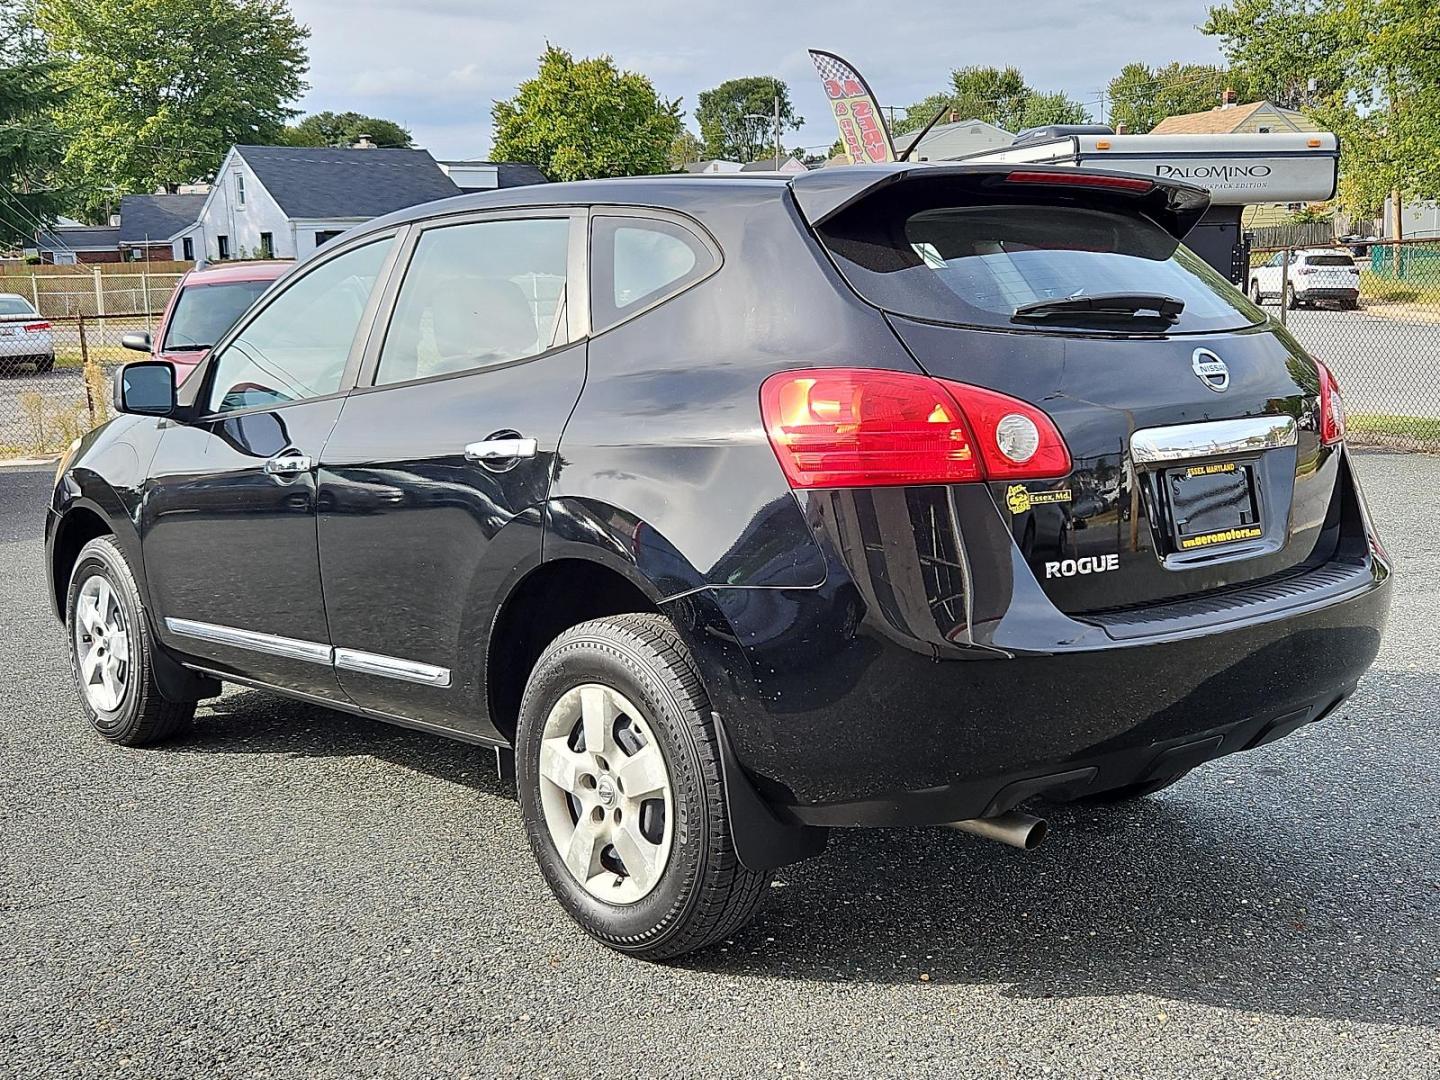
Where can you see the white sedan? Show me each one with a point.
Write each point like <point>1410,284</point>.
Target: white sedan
<point>24,336</point>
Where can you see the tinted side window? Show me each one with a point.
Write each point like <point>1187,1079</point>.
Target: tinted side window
<point>297,347</point>
<point>478,294</point>
<point>641,261</point>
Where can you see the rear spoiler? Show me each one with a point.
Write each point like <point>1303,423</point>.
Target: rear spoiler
<point>825,193</point>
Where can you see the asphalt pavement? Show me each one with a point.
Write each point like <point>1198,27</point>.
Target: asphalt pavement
<point>291,892</point>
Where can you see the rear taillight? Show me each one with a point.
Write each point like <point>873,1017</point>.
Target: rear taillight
<point>1332,407</point>
<point>34,327</point>
<point>857,427</point>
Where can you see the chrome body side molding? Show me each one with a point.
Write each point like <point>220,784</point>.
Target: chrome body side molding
<point>291,648</point>
<point>1181,442</point>
<point>391,667</point>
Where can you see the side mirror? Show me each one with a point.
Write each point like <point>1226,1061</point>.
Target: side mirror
<point>140,342</point>
<point>146,387</point>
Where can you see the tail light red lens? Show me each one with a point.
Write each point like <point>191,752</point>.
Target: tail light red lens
<point>36,326</point>
<point>858,427</point>
<point>1332,407</point>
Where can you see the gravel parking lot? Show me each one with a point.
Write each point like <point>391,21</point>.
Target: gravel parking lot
<point>290,892</point>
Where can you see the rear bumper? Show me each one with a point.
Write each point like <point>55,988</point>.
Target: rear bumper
<point>1326,294</point>
<point>877,733</point>
<point>939,683</point>
<point>26,345</point>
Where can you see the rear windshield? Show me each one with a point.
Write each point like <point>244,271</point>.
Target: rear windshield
<point>1329,260</point>
<point>204,312</point>
<point>13,305</point>
<point>975,265</point>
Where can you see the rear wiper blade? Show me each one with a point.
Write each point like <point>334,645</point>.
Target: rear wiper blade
<point>1104,305</point>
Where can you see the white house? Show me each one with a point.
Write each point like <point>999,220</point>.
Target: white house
<point>712,165</point>
<point>283,202</point>
<point>791,166</point>
<point>160,226</point>
<point>945,142</point>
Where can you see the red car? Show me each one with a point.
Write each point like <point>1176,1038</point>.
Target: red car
<point>204,305</point>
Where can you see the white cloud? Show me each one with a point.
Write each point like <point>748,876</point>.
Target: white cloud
<point>436,65</point>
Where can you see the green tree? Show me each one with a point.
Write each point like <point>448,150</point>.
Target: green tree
<point>998,96</point>
<point>1141,96</point>
<point>578,119</point>
<point>30,145</point>
<point>995,95</point>
<point>1369,70</point>
<point>1052,108</point>
<point>921,113</point>
<point>344,129</point>
<point>685,148</point>
<point>160,89</point>
<point>722,116</point>
<point>1282,45</point>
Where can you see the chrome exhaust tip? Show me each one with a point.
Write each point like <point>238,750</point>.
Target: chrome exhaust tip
<point>1023,831</point>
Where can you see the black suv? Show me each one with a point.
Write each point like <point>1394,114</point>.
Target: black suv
<point>730,510</point>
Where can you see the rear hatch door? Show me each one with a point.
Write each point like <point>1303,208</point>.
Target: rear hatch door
<point>1197,461</point>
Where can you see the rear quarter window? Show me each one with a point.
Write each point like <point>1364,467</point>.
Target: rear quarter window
<point>637,262</point>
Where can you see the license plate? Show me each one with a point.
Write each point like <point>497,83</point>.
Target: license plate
<point>1213,504</point>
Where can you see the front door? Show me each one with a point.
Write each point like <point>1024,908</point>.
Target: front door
<point>433,482</point>
<point>228,529</point>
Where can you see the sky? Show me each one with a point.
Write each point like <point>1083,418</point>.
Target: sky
<point>436,66</point>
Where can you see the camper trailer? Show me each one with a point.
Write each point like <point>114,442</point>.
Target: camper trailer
<point>1238,170</point>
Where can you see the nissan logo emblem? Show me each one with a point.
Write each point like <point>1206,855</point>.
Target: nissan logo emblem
<point>1210,370</point>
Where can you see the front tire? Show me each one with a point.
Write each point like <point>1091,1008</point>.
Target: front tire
<point>618,775</point>
<point>112,652</point>
<point>1255,294</point>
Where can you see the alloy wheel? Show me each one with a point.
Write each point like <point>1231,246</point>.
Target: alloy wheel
<point>102,644</point>
<point>606,794</point>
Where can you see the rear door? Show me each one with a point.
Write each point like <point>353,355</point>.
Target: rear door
<point>433,483</point>
<point>1197,463</point>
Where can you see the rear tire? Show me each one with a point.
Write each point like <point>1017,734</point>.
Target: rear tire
<point>112,652</point>
<point>688,888</point>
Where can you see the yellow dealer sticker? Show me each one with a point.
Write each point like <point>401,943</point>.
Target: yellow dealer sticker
<point>1226,536</point>
<point>1019,498</point>
<point>1210,470</point>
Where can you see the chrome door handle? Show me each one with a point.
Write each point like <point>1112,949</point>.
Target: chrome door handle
<point>287,465</point>
<point>499,450</point>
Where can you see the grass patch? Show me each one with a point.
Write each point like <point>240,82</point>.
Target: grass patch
<point>1383,290</point>
<point>1424,429</point>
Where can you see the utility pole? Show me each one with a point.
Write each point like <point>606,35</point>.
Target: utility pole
<point>777,127</point>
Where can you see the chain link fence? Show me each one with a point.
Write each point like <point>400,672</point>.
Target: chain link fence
<point>55,384</point>
<point>93,292</point>
<point>1383,345</point>
<point>1382,341</point>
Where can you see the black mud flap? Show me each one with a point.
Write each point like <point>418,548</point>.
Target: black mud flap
<point>762,841</point>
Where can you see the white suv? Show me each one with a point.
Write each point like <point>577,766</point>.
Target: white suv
<point>1322,275</point>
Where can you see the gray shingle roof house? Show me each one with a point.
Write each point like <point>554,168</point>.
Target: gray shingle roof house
<point>489,175</point>
<point>285,201</point>
<point>153,224</point>
<point>67,244</point>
